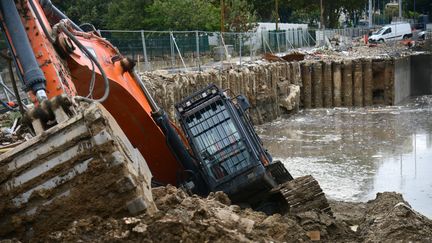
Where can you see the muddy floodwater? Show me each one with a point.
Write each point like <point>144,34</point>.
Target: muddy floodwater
<point>355,153</point>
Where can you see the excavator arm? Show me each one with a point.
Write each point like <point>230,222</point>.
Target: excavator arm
<point>99,133</point>
<point>55,57</point>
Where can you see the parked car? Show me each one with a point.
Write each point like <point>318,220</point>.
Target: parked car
<point>422,35</point>
<point>392,32</point>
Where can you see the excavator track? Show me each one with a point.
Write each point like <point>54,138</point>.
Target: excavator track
<point>304,194</point>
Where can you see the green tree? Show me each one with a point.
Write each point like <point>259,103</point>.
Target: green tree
<point>181,15</point>
<point>240,16</point>
<point>127,14</point>
<point>85,11</point>
<point>306,10</point>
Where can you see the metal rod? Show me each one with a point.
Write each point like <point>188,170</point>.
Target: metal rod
<point>277,41</point>
<point>15,87</point>
<point>172,50</point>
<point>221,54</point>
<point>251,46</point>
<point>198,49</point>
<point>4,89</point>
<point>153,105</point>
<point>146,62</point>
<point>178,50</point>
<point>241,43</point>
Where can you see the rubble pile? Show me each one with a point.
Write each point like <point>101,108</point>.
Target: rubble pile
<point>194,219</point>
<point>183,218</point>
<point>359,52</point>
<point>11,131</point>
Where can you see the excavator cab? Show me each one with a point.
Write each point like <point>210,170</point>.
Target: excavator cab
<point>230,154</point>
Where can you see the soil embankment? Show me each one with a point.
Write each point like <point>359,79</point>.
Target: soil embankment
<point>185,218</point>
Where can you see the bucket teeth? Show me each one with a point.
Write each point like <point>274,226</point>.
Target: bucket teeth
<point>50,113</point>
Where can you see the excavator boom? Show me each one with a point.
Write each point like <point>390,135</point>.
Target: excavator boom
<point>100,140</point>
<point>51,61</point>
<point>86,157</point>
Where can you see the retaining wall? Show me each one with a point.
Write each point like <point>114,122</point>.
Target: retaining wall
<point>272,89</point>
<point>281,88</point>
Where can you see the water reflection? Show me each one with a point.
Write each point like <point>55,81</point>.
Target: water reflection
<point>355,153</point>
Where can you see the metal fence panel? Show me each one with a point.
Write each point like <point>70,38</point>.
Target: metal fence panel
<point>182,50</point>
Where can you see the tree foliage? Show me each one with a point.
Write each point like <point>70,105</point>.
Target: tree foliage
<point>86,11</point>
<point>205,14</point>
<point>239,16</point>
<point>181,15</point>
<point>127,14</point>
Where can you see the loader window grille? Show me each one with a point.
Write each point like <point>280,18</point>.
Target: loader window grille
<point>218,140</point>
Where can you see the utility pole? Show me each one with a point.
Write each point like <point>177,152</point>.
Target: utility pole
<point>400,9</point>
<point>370,13</point>
<point>277,15</point>
<point>322,15</point>
<point>222,22</point>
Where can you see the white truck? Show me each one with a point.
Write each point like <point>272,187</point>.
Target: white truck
<point>392,32</point>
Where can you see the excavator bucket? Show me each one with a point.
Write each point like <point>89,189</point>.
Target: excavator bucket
<point>81,167</point>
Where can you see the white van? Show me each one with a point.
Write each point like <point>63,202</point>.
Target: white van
<point>392,32</point>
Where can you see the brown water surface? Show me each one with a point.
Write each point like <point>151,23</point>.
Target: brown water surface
<point>355,153</point>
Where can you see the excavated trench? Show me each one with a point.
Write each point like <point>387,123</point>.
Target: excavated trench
<point>352,151</point>
<point>276,89</point>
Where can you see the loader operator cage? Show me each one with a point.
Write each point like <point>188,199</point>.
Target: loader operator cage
<point>216,137</point>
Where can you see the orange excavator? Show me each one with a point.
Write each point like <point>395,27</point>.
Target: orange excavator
<point>75,78</point>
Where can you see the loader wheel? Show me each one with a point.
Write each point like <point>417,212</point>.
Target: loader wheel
<point>304,194</point>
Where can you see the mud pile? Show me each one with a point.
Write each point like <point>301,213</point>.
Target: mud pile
<point>183,218</point>
<point>389,217</point>
<point>194,219</point>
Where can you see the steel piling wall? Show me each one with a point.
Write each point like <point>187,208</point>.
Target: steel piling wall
<point>274,89</point>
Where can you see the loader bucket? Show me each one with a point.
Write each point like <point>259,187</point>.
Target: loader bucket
<point>81,167</point>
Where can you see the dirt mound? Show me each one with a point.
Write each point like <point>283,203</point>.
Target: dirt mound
<point>184,218</point>
<point>187,219</point>
<point>390,218</point>
<point>194,219</point>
